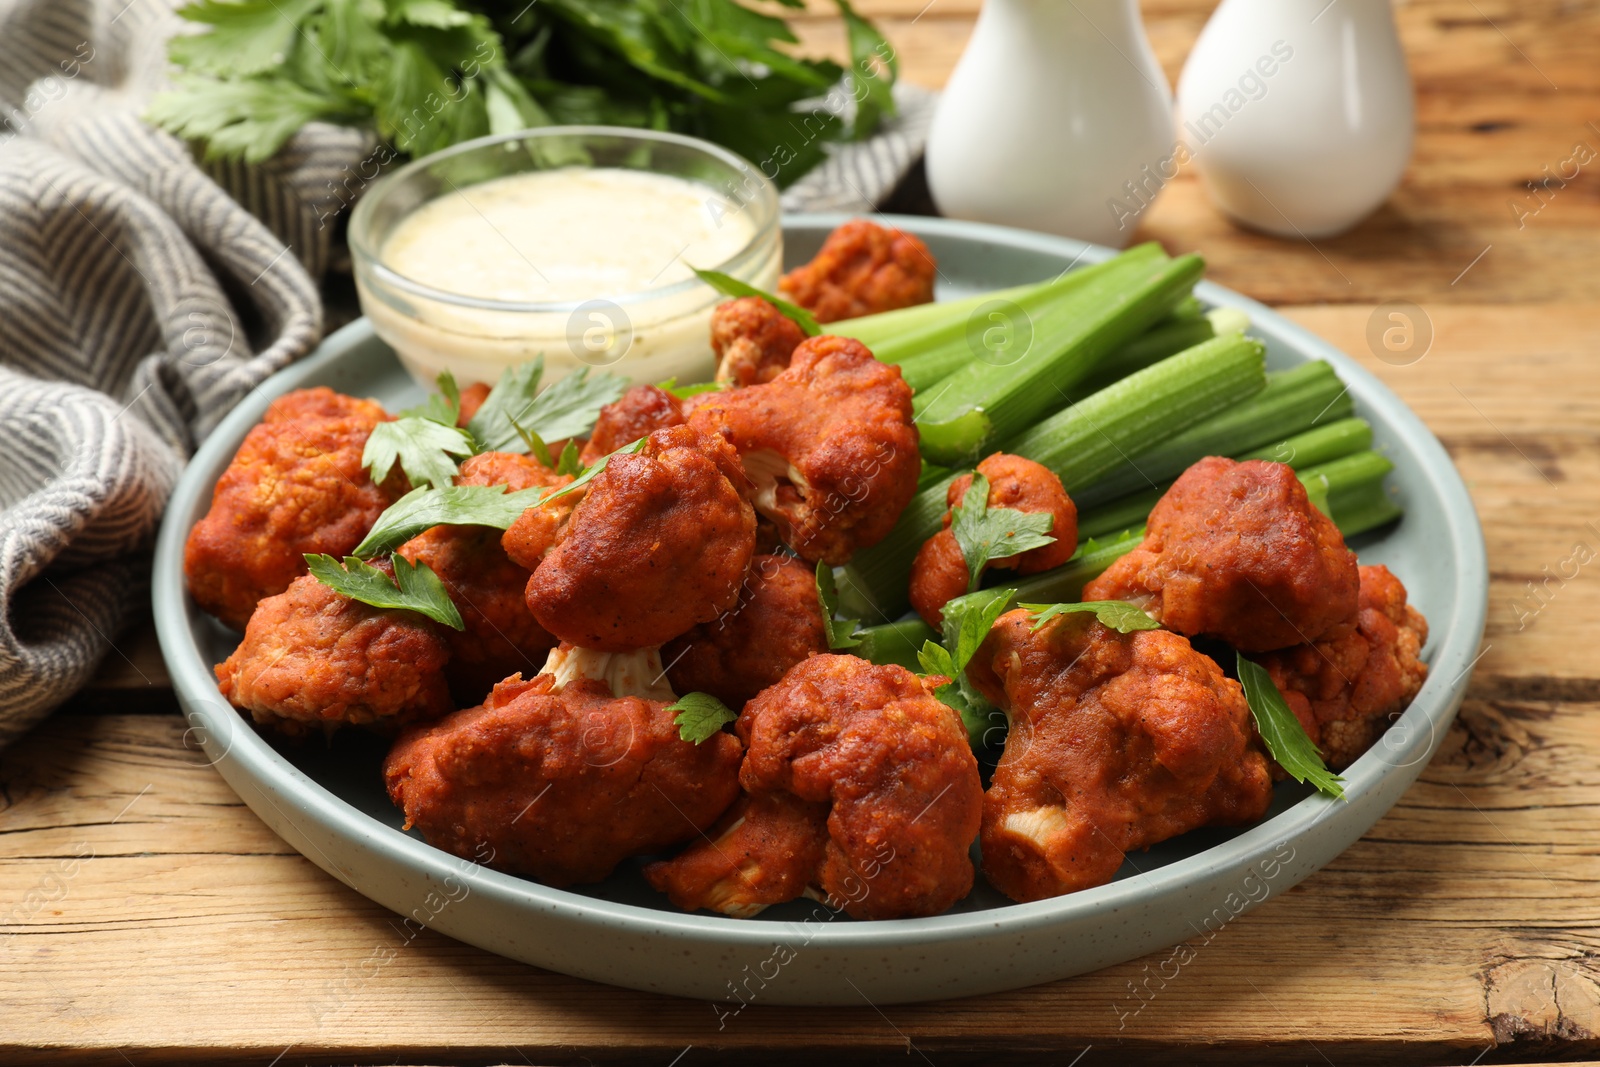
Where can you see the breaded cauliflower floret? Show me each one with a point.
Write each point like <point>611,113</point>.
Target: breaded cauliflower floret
<point>829,444</point>
<point>765,850</point>
<point>1344,689</point>
<point>776,624</point>
<point>1237,551</point>
<point>626,674</point>
<point>295,486</point>
<point>312,659</point>
<point>639,412</point>
<point>939,573</point>
<point>753,340</point>
<point>560,787</point>
<point>661,542</point>
<point>320,402</point>
<point>861,788</point>
<point>501,637</point>
<point>861,269</point>
<point>1117,741</point>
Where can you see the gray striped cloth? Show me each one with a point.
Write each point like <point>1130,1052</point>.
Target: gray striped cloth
<point>142,294</point>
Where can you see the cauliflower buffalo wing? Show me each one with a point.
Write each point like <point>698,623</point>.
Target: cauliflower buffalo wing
<point>295,486</point>
<point>776,624</point>
<point>1237,551</point>
<point>313,658</point>
<point>1345,688</point>
<point>939,573</point>
<point>1117,741</point>
<point>501,637</point>
<point>660,542</point>
<point>861,269</point>
<point>860,785</point>
<point>561,786</point>
<point>829,444</point>
<point>639,412</point>
<point>753,341</point>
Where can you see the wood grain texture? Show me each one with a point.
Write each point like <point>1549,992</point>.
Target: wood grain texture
<point>146,916</point>
<point>143,908</point>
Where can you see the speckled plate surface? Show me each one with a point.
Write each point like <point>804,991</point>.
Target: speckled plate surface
<point>329,803</point>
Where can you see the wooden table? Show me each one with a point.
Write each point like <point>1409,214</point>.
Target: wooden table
<point>146,916</point>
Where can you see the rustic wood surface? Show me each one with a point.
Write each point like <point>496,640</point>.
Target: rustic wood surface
<point>146,916</point>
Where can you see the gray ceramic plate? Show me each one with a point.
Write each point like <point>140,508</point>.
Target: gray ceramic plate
<point>329,803</point>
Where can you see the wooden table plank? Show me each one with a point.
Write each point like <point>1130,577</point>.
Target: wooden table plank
<point>136,880</point>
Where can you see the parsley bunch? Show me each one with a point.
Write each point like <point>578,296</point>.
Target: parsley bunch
<point>426,74</point>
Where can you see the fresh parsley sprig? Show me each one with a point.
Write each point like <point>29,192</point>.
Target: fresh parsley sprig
<point>422,447</point>
<point>568,462</point>
<point>426,74</point>
<point>728,285</point>
<point>442,407</point>
<point>841,632</point>
<point>452,505</point>
<point>467,505</point>
<point>413,588</point>
<point>1279,727</point>
<point>986,533</point>
<point>967,621</point>
<point>700,716</point>
<point>516,406</point>
<point>515,417</point>
<point>1120,615</point>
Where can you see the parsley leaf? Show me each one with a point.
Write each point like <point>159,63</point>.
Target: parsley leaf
<point>1121,616</point>
<point>412,588</point>
<point>246,37</point>
<point>595,468</point>
<point>455,505</point>
<point>426,74</point>
<point>700,715</point>
<point>422,446</point>
<point>568,462</point>
<point>986,533</point>
<point>443,407</point>
<point>566,409</point>
<point>467,505</point>
<point>246,120</point>
<point>536,446</point>
<point>731,286</point>
<point>841,632</point>
<point>1286,739</point>
<point>684,392</point>
<point>936,659</point>
<point>967,621</point>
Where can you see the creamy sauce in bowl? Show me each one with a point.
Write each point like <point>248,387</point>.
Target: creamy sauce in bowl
<point>480,257</point>
<point>566,235</point>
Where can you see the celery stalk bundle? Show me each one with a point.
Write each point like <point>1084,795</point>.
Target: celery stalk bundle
<point>1081,444</point>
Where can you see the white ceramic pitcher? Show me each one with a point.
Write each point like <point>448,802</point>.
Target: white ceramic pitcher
<point>1056,118</point>
<point>1298,114</point>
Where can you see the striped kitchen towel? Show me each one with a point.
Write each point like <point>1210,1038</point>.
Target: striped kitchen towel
<point>138,303</point>
<point>142,294</point>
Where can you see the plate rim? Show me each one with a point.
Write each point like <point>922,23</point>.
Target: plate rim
<point>244,750</point>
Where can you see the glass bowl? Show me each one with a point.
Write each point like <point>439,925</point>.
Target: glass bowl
<point>647,335</point>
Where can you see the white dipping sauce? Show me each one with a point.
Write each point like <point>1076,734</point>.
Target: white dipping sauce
<point>562,235</point>
<point>602,242</point>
